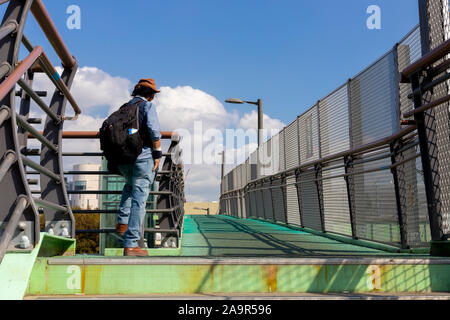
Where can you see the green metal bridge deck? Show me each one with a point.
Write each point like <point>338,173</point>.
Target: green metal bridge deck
<point>227,236</point>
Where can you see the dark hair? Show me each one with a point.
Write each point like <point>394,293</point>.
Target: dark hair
<point>143,91</point>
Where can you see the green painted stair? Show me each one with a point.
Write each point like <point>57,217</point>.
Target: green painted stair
<point>16,267</point>
<point>223,255</point>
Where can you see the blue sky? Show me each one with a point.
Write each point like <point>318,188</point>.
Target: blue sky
<point>290,53</point>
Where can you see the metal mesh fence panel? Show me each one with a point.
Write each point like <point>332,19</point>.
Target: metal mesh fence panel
<point>293,213</point>
<point>262,155</point>
<point>266,157</point>
<point>253,208</point>
<point>408,51</point>
<point>375,203</point>
<point>243,206</point>
<point>253,165</point>
<point>413,199</point>
<point>438,120</point>
<point>309,200</point>
<point>411,183</point>
<point>233,206</point>
<point>292,145</point>
<point>443,122</point>
<point>238,206</point>
<point>334,122</point>
<point>275,152</point>
<point>282,162</point>
<point>247,205</point>
<point>259,203</point>
<point>278,202</point>
<point>267,198</point>
<point>335,201</point>
<point>373,102</point>
<point>238,177</point>
<point>309,135</point>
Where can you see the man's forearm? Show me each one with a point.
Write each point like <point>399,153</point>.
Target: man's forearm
<point>157,152</point>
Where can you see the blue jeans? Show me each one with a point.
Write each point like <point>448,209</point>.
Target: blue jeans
<point>138,179</point>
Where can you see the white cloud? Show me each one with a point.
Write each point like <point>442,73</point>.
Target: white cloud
<point>178,108</point>
<point>92,87</point>
<point>250,121</point>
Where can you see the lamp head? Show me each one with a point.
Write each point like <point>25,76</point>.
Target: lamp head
<point>234,101</point>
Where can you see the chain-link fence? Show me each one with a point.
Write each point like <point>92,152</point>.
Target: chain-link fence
<point>436,30</point>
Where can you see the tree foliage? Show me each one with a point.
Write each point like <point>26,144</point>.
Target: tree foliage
<point>87,243</point>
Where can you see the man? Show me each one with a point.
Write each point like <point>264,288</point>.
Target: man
<point>140,175</point>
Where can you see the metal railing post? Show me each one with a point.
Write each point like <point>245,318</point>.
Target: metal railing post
<point>350,183</point>
<point>427,139</point>
<point>399,196</point>
<point>298,174</point>
<point>319,184</point>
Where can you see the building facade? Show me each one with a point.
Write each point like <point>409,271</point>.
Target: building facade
<point>86,183</point>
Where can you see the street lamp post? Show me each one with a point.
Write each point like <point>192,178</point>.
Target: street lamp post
<point>223,164</point>
<point>259,104</point>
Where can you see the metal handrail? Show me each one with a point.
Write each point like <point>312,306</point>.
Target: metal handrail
<point>171,171</point>
<point>428,59</point>
<point>338,156</point>
<point>21,73</point>
<point>46,23</point>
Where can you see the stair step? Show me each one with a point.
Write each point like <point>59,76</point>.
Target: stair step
<point>127,276</point>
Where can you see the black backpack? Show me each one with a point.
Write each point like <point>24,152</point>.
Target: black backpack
<point>121,139</point>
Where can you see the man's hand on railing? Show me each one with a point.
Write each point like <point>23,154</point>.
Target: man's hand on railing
<point>156,167</point>
<point>157,154</point>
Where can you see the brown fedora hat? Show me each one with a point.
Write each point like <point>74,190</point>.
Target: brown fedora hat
<point>150,83</point>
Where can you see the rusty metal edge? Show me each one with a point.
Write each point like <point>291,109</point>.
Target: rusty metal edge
<point>249,261</point>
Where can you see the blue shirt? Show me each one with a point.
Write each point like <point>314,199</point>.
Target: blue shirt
<point>148,117</point>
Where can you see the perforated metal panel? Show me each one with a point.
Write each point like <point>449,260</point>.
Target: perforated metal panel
<point>275,159</point>
<point>309,135</point>
<point>267,198</point>
<point>373,102</point>
<point>253,166</point>
<point>335,201</point>
<point>238,206</point>
<point>278,202</point>
<point>247,205</point>
<point>253,209</point>
<point>248,170</point>
<point>375,204</point>
<point>238,177</point>
<point>334,122</point>
<point>438,121</point>
<point>291,143</point>
<point>293,213</point>
<point>282,152</point>
<point>243,206</point>
<point>310,201</point>
<point>259,203</point>
<point>409,50</point>
<point>264,158</point>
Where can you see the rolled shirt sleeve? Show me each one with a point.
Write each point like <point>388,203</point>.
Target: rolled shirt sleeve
<point>153,122</point>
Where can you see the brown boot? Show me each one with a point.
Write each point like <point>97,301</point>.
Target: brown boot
<point>121,228</point>
<point>135,252</point>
